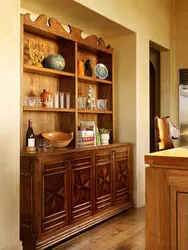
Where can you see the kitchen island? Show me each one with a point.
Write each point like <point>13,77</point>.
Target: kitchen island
<point>167,199</point>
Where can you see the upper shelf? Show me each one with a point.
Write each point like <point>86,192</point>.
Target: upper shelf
<point>46,71</point>
<point>94,80</point>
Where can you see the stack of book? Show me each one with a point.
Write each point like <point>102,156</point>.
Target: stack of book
<point>86,134</point>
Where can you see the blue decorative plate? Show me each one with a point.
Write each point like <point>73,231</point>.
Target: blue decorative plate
<point>101,71</point>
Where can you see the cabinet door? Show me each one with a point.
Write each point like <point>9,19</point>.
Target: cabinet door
<point>82,185</point>
<point>121,174</point>
<point>103,161</point>
<point>179,209</point>
<point>55,195</point>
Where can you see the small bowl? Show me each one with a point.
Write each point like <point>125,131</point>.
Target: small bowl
<point>58,139</point>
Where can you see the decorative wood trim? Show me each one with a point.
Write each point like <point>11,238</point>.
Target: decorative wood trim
<point>42,26</point>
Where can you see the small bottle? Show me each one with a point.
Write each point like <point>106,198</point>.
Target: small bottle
<point>30,138</point>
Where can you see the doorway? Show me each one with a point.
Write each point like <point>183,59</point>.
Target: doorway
<point>154,66</point>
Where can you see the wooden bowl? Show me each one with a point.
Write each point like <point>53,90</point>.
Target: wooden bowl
<point>58,139</point>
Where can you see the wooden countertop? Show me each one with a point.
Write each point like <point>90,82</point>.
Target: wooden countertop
<point>171,158</point>
<point>59,151</point>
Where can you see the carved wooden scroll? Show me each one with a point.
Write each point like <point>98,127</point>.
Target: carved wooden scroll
<point>53,29</point>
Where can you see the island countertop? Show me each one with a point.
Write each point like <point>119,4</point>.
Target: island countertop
<point>171,158</point>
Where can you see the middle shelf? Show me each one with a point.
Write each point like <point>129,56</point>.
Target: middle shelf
<point>42,109</point>
<point>48,109</point>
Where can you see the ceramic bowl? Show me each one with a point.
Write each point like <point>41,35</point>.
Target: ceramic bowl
<point>58,139</point>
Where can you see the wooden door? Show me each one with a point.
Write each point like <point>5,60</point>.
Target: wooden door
<point>121,174</point>
<point>82,185</point>
<point>55,195</point>
<point>179,209</point>
<point>103,179</point>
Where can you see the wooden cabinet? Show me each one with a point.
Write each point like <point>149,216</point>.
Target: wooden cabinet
<point>167,200</point>
<point>66,191</point>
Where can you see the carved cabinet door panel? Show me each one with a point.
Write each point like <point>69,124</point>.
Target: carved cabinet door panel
<point>121,174</point>
<point>103,178</point>
<point>82,178</point>
<point>55,192</point>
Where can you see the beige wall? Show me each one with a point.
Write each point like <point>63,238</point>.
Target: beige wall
<point>151,20</point>
<point>9,124</point>
<point>125,90</point>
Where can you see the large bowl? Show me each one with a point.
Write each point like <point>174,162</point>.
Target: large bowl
<point>58,139</point>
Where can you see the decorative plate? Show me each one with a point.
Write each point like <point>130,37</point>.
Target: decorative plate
<point>101,71</point>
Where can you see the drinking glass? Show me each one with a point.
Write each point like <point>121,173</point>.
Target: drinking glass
<point>68,100</point>
<point>105,102</point>
<point>56,99</point>
<point>61,95</point>
<point>80,102</point>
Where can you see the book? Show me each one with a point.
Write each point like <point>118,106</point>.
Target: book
<point>88,138</point>
<point>88,125</point>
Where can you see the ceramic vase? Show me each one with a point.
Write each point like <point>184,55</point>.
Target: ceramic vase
<point>54,61</point>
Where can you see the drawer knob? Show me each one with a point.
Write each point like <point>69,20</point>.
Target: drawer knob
<point>113,150</point>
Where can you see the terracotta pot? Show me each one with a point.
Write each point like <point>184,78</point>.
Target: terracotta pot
<point>46,98</point>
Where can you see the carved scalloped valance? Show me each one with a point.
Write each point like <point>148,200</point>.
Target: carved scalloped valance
<point>51,26</point>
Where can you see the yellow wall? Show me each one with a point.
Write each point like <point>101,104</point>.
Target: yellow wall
<point>9,124</point>
<point>151,20</point>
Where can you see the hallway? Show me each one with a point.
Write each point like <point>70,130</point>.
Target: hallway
<point>123,232</point>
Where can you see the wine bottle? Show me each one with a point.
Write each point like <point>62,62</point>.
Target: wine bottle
<point>30,137</point>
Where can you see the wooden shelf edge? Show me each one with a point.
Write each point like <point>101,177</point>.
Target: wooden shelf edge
<point>46,71</point>
<point>94,79</point>
<point>41,109</point>
<point>95,112</point>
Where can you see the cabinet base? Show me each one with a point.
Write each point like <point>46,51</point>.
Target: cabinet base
<point>78,227</point>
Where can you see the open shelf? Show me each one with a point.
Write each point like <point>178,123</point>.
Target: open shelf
<point>94,80</point>
<point>48,109</point>
<point>94,112</point>
<point>46,71</point>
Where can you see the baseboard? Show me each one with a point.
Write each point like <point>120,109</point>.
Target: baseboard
<point>139,198</point>
<point>14,247</point>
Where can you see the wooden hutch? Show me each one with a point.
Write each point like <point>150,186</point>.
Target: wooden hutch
<point>65,191</point>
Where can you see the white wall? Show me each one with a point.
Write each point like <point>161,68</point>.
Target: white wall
<point>9,124</point>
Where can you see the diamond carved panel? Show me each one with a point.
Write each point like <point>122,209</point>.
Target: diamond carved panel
<point>54,193</point>
<point>82,186</point>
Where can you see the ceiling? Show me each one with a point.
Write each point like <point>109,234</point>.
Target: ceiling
<point>72,13</point>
